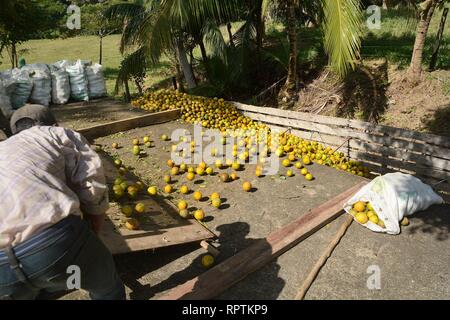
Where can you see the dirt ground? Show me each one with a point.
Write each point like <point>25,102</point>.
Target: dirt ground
<point>413,264</point>
<point>379,92</point>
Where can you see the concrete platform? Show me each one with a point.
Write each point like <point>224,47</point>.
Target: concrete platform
<point>414,264</point>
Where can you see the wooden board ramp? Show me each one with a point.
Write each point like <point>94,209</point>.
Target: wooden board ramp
<point>160,225</point>
<point>224,275</point>
<point>131,123</point>
<point>381,148</point>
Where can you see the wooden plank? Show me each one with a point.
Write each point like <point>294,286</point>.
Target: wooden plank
<point>160,224</point>
<point>424,160</point>
<point>294,115</point>
<point>400,165</point>
<point>216,280</point>
<point>398,135</point>
<point>355,124</point>
<point>402,144</point>
<point>130,123</point>
<point>300,124</point>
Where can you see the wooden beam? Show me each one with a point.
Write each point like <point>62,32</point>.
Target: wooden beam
<point>130,123</point>
<point>216,280</point>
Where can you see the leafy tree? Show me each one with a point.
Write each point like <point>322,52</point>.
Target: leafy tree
<point>21,20</point>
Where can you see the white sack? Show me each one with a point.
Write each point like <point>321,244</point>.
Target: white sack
<point>394,196</point>
<point>60,85</point>
<point>6,89</point>
<point>23,88</point>
<point>96,80</point>
<point>79,88</point>
<point>42,83</point>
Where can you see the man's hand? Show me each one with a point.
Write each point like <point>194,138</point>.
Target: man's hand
<point>96,221</point>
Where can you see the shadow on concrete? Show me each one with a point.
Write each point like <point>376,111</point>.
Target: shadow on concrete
<point>435,220</point>
<point>233,238</point>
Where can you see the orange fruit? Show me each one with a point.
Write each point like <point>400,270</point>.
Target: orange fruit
<point>216,202</point>
<point>197,195</point>
<point>140,207</point>
<point>214,195</point>
<point>199,215</point>
<point>127,210</point>
<point>207,261</point>
<point>132,224</point>
<point>182,205</point>
<point>247,186</point>
<point>170,163</point>
<point>184,189</point>
<point>152,190</point>
<point>360,206</point>
<point>168,189</point>
<point>190,176</point>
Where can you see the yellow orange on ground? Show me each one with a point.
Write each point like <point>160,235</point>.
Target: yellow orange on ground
<point>140,207</point>
<point>309,177</point>
<point>168,189</point>
<point>197,195</point>
<point>207,261</point>
<point>182,204</point>
<point>167,179</point>
<point>190,176</point>
<point>127,210</point>
<point>214,195</point>
<point>199,215</point>
<point>184,213</point>
<point>132,224</point>
<point>152,190</point>
<point>216,202</point>
<point>247,186</point>
<point>184,189</point>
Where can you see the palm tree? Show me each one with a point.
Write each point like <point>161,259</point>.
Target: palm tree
<point>342,33</point>
<point>426,10</point>
<point>158,27</point>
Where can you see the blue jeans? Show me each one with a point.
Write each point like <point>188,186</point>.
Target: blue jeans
<point>45,264</point>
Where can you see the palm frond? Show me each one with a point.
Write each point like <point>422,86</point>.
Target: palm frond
<point>133,64</point>
<point>342,33</point>
<point>214,38</point>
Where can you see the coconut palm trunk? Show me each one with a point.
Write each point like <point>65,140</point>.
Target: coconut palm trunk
<point>185,66</point>
<point>426,13</point>
<point>291,81</point>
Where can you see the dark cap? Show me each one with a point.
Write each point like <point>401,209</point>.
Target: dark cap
<point>39,115</point>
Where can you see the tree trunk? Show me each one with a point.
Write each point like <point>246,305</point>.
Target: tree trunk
<point>100,58</point>
<point>259,33</point>
<point>230,34</point>
<point>204,57</point>
<point>437,45</point>
<point>290,86</point>
<point>179,77</point>
<point>13,56</point>
<point>187,71</point>
<point>415,67</point>
<point>127,91</point>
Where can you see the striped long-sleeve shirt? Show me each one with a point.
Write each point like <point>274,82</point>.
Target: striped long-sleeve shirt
<point>47,174</point>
